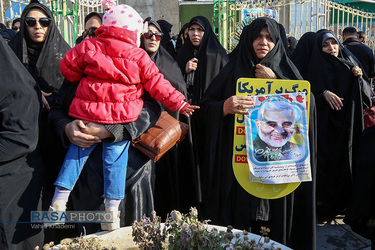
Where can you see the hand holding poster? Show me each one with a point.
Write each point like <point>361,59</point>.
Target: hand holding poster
<point>262,88</point>
<point>276,139</point>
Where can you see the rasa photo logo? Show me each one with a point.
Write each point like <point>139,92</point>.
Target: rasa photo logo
<point>70,217</point>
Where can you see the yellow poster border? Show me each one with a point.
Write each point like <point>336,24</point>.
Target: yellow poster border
<point>253,87</point>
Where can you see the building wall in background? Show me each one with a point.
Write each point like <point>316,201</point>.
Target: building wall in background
<point>365,5</point>
<point>189,9</point>
<point>157,9</point>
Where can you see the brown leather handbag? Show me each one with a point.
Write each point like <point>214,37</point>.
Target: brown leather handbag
<point>156,141</point>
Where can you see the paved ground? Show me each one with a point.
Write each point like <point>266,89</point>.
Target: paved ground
<point>336,235</point>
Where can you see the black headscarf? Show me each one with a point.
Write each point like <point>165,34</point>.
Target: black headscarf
<point>292,43</point>
<point>87,18</point>
<point>16,20</point>
<point>302,54</point>
<point>338,131</point>
<point>166,42</point>
<point>180,38</point>
<point>7,33</point>
<point>41,59</point>
<point>245,59</point>
<point>211,56</point>
<point>91,14</point>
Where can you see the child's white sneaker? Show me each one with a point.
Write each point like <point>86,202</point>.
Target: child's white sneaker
<point>58,206</point>
<point>115,223</point>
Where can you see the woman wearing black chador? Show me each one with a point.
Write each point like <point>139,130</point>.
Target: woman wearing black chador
<point>200,58</point>
<point>341,90</point>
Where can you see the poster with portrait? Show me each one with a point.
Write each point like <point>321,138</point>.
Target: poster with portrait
<point>251,13</point>
<point>277,142</point>
<point>255,13</point>
<point>271,14</point>
<point>262,88</point>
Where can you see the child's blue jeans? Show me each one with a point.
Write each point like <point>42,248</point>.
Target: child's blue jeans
<point>115,161</point>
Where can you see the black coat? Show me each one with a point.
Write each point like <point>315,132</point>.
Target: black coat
<point>290,218</point>
<point>361,211</point>
<point>363,53</point>
<point>20,181</point>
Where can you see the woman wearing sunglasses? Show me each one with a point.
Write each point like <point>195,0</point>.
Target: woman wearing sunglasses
<point>40,47</point>
<point>175,178</point>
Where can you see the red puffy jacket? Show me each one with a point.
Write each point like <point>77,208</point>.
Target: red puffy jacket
<point>112,72</point>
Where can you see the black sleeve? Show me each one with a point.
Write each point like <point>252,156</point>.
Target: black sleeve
<point>58,117</point>
<point>366,92</point>
<point>18,125</point>
<point>19,111</point>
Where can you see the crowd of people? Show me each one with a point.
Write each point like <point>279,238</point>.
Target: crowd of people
<point>68,116</point>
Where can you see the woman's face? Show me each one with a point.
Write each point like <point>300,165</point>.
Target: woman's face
<point>331,47</point>
<point>37,32</point>
<point>184,35</point>
<point>196,33</point>
<point>152,44</point>
<point>263,44</point>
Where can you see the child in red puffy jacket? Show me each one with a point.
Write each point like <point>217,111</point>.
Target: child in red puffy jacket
<point>113,73</point>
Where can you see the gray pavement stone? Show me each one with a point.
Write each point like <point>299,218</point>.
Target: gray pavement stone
<point>335,234</point>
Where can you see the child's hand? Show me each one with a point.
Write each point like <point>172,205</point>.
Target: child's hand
<point>189,111</point>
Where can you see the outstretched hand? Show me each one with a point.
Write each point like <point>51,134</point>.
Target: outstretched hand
<point>189,111</point>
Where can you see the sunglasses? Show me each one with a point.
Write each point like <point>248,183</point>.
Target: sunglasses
<point>90,33</point>
<point>15,28</point>
<point>149,35</point>
<point>31,21</point>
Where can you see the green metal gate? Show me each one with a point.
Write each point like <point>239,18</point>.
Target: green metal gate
<point>297,16</point>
